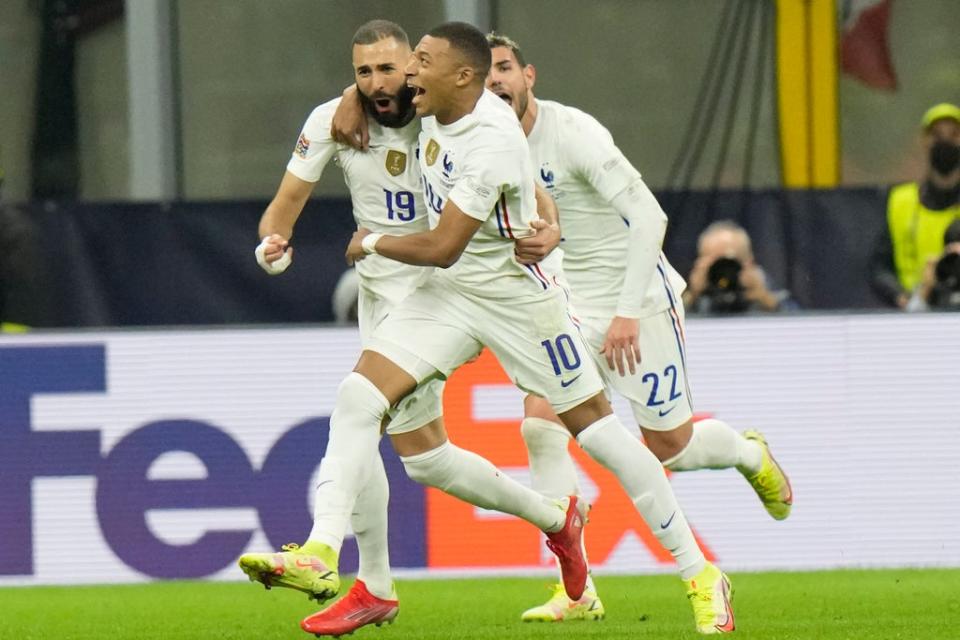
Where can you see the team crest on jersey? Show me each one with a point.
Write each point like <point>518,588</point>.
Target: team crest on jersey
<point>303,146</point>
<point>396,162</point>
<point>546,174</point>
<point>433,150</point>
<point>447,164</point>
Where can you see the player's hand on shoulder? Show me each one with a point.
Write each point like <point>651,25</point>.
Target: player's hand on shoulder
<point>621,347</point>
<point>274,254</point>
<point>349,125</point>
<point>355,251</point>
<point>538,246</point>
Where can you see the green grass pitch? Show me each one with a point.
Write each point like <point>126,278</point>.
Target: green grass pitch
<point>908,604</point>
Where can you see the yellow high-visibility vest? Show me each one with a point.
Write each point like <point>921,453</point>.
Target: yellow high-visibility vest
<point>915,231</point>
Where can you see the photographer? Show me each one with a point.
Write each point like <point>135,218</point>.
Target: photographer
<point>939,288</point>
<point>726,279</point>
<point>919,212</point>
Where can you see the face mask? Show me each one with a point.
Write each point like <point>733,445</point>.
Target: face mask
<point>944,157</point>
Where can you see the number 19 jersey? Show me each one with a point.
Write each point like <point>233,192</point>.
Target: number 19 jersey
<point>385,190</point>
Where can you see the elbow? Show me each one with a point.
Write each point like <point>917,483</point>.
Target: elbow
<point>447,257</point>
<point>446,260</point>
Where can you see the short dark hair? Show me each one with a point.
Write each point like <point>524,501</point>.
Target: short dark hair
<point>469,41</point>
<point>376,30</point>
<point>495,40</point>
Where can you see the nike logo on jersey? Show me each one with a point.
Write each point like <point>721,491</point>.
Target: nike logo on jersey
<point>567,383</point>
<point>662,413</point>
<point>664,525</point>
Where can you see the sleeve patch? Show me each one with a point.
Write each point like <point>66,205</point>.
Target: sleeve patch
<point>303,146</point>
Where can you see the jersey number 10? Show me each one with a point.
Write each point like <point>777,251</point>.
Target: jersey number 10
<point>400,205</point>
<point>567,351</point>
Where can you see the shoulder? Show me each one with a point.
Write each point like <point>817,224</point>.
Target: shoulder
<point>497,126</point>
<point>904,188</point>
<point>492,111</point>
<point>573,127</point>
<point>904,193</point>
<point>320,119</point>
<point>568,116</point>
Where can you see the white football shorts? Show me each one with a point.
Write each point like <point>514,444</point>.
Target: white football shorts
<point>659,393</point>
<point>438,328</point>
<point>425,404</point>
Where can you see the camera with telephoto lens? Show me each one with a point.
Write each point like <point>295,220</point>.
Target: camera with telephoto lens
<point>723,286</point>
<point>945,294</point>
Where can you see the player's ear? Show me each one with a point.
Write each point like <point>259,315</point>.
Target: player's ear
<point>465,76</point>
<point>530,75</point>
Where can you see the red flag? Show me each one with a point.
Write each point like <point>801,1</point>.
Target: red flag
<point>865,45</point>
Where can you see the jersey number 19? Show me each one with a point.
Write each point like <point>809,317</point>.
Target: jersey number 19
<point>400,205</point>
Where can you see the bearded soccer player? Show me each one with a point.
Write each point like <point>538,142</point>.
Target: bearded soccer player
<point>386,193</point>
<point>627,299</point>
<point>477,173</point>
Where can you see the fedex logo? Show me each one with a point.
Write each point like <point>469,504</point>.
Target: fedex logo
<point>278,491</point>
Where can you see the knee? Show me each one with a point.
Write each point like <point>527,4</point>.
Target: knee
<point>357,393</point>
<point>588,412</point>
<point>430,468</point>
<point>537,407</point>
<point>539,434</point>
<point>667,445</point>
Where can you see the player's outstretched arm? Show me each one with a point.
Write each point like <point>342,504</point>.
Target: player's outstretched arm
<point>274,252</point>
<point>349,125</point>
<point>439,247</point>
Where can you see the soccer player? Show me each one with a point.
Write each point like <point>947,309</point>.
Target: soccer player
<point>386,193</point>
<point>479,186</point>
<point>627,299</point>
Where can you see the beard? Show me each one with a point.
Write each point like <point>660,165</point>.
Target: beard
<point>519,105</point>
<point>405,109</point>
<point>523,101</point>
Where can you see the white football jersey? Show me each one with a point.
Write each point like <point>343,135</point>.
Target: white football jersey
<point>482,163</point>
<point>577,162</point>
<point>385,191</point>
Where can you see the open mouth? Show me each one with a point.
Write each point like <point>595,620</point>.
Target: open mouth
<point>383,105</point>
<point>417,92</point>
<point>506,97</point>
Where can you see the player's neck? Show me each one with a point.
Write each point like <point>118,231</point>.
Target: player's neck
<point>529,118</point>
<point>463,103</point>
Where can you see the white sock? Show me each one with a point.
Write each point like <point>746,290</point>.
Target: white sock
<point>369,524</point>
<point>348,461</point>
<point>473,479</point>
<point>552,471</point>
<point>715,445</point>
<point>642,477</point>
<point>551,468</point>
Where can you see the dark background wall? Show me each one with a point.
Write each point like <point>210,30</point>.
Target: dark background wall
<point>250,71</point>
<point>77,264</point>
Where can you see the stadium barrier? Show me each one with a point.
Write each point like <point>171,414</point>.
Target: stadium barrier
<point>134,264</point>
<point>138,455</point>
